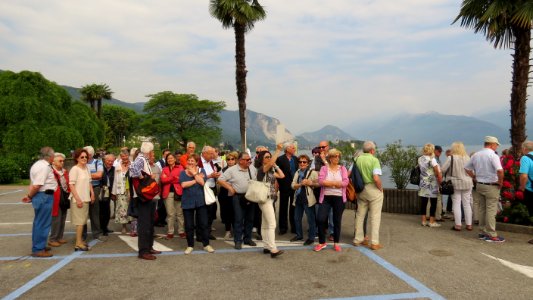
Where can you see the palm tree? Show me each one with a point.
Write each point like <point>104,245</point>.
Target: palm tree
<point>506,24</point>
<point>94,93</point>
<point>241,15</point>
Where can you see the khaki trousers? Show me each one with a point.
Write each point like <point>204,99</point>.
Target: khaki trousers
<point>174,212</point>
<point>487,196</point>
<point>371,200</point>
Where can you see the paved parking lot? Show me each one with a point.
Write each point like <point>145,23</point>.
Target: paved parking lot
<point>416,262</point>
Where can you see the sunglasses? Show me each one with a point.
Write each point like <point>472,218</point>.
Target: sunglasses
<point>246,159</point>
<point>83,156</point>
<point>230,158</point>
<point>267,157</point>
<point>322,147</point>
<point>302,162</point>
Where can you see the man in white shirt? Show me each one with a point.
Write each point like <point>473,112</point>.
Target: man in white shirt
<point>486,170</point>
<point>41,195</point>
<point>212,172</point>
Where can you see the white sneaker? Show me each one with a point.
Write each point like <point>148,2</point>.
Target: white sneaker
<point>228,236</point>
<point>209,249</point>
<point>434,224</point>
<point>188,250</point>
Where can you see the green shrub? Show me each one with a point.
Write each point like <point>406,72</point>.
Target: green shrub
<point>9,170</point>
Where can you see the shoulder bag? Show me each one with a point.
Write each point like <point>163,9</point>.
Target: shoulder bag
<point>209,195</point>
<point>258,191</point>
<point>446,186</point>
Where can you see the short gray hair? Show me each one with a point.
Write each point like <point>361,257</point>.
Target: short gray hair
<point>528,145</point>
<point>109,155</point>
<point>207,149</point>
<point>191,143</point>
<point>147,147</point>
<point>368,146</point>
<point>89,150</point>
<point>60,155</point>
<point>46,152</point>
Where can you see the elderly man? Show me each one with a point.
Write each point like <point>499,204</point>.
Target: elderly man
<point>146,209</point>
<point>191,147</point>
<point>371,198</point>
<point>288,165</point>
<point>41,195</point>
<point>106,184</point>
<point>486,170</point>
<point>526,173</point>
<point>213,173</point>
<point>235,180</point>
<point>96,167</point>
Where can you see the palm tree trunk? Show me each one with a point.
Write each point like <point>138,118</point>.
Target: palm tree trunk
<point>240,79</point>
<point>99,108</point>
<point>519,89</point>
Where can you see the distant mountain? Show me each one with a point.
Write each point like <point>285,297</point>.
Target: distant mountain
<point>418,129</point>
<point>502,118</point>
<point>328,133</point>
<point>260,129</point>
<point>75,94</point>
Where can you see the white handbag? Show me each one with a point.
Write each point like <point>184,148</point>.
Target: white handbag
<point>258,191</point>
<point>209,195</point>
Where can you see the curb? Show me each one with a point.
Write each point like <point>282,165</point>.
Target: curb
<point>514,228</point>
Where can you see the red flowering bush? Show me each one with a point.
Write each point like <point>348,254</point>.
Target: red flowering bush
<point>511,177</point>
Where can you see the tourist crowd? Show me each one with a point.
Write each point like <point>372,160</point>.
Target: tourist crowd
<point>101,189</point>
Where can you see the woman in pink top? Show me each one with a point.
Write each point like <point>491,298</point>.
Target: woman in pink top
<point>333,178</point>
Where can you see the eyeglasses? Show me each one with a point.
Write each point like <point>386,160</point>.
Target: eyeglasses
<point>333,156</point>
<point>230,158</point>
<point>267,157</point>
<point>83,156</point>
<point>302,162</point>
<point>322,147</point>
<point>246,159</point>
<point>60,160</point>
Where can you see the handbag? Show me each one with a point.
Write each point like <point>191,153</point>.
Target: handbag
<point>64,200</point>
<point>147,188</point>
<point>258,191</point>
<point>446,186</point>
<point>209,195</point>
<point>350,192</point>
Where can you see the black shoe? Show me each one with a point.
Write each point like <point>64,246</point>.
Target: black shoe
<point>276,254</point>
<point>250,243</point>
<point>282,231</point>
<point>266,251</point>
<point>238,246</point>
<point>159,225</point>
<point>259,237</point>
<point>105,234</point>
<point>308,242</point>
<point>296,238</point>
<point>211,237</point>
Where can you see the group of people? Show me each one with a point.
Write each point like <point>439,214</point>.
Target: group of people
<point>316,186</point>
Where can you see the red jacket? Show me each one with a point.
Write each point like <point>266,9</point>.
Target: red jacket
<point>57,192</point>
<point>169,177</point>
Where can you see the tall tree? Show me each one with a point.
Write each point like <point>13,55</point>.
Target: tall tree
<point>241,16</point>
<point>121,123</point>
<point>94,93</point>
<point>180,118</point>
<point>506,24</point>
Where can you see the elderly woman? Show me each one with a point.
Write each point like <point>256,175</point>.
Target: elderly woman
<point>192,181</point>
<point>269,172</point>
<point>333,178</point>
<point>171,194</point>
<point>146,209</point>
<point>225,201</point>
<point>59,209</point>
<point>121,189</point>
<point>430,179</point>
<point>305,179</point>
<point>82,195</point>
<point>462,184</point>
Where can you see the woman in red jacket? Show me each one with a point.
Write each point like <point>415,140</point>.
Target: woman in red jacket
<point>171,195</point>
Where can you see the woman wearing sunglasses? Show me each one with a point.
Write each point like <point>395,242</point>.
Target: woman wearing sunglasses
<point>225,201</point>
<point>333,178</point>
<point>305,179</point>
<point>268,171</point>
<point>82,194</point>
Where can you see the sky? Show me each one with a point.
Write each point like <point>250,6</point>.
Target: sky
<point>310,63</point>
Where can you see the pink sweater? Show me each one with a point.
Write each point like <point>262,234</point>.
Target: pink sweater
<point>322,176</point>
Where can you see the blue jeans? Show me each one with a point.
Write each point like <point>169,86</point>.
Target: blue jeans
<point>244,219</point>
<point>42,205</point>
<point>299,210</point>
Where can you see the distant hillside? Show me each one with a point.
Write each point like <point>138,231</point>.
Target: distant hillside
<point>137,107</point>
<point>328,133</point>
<point>502,118</point>
<point>417,129</point>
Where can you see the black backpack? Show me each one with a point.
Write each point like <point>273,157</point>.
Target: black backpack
<point>357,179</point>
<point>414,177</point>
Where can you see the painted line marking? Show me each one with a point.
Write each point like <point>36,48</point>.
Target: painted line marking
<point>386,297</point>
<point>133,243</point>
<point>43,276</point>
<point>14,203</point>
<point>525,270</point>
<point>12,192</point>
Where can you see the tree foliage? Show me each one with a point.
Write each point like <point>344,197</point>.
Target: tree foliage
<point>120,122</point>
<point>35,112</point>
<point>93,94</point>
<point>400,161</point>
<point>348,150</point>
<point>179,118</point>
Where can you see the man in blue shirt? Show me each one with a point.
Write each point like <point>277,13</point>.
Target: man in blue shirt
<point>526,173</point>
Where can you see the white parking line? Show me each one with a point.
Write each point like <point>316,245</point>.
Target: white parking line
<point>133,242</point>
<point>526,270</point>
<point>12,192</point>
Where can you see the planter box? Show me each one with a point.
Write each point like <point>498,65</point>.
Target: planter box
<point>398,202</point>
